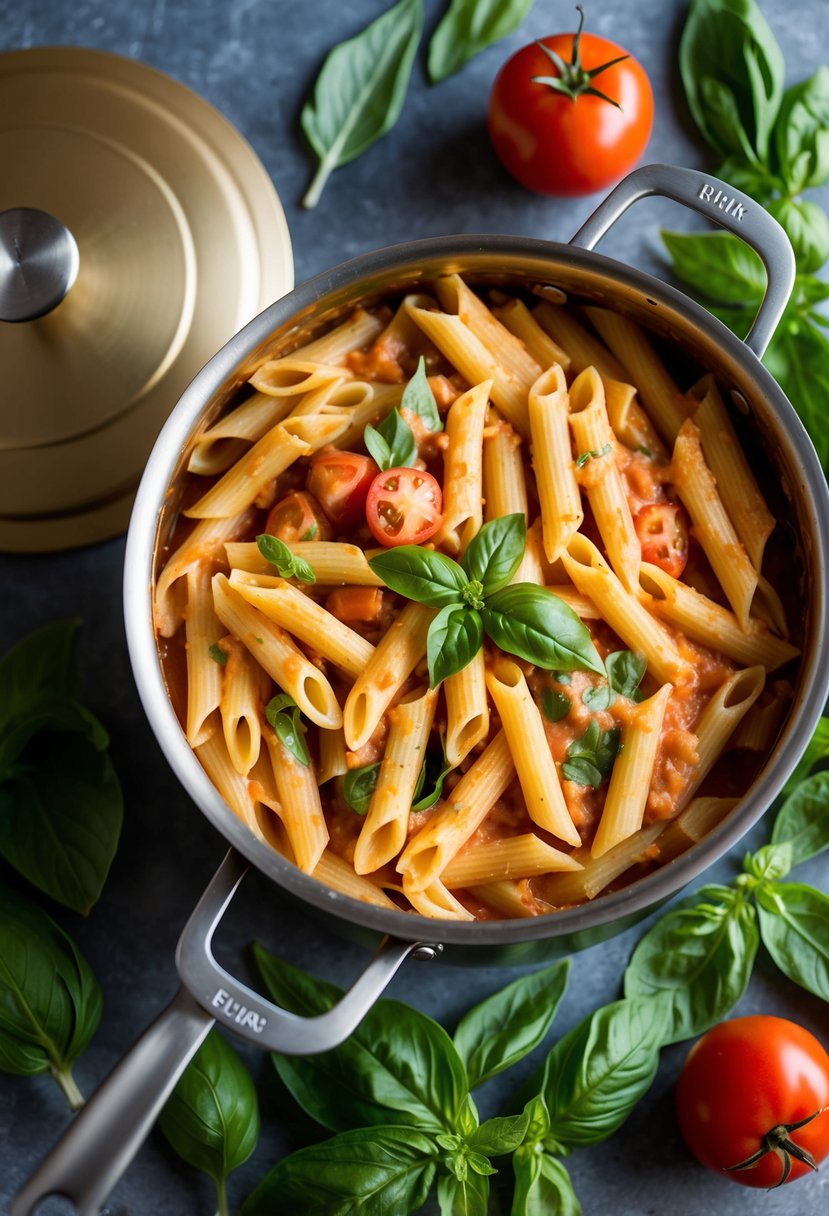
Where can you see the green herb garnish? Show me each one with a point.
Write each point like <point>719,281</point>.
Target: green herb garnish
<point>359,785</point>
<point>217,654</point>
<point>554,705</point>
<point>582,460</point>
<point>287,563</point>
<point>590,758</point>
<point>282,712</point>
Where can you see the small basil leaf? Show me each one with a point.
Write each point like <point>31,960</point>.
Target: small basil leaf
<point>421,575</point>
<point>816,751</point>
<point>769,863</point>
<point>430,779</point>
<point>280,555</point>
<point>467,1196</point>
<point>359,785</point>
<point>455,636</point>
<point>50,1002</point>
<point>282,712</point>
<point>542,1186</point>
<point>794,926</point>
<point>217,654</point>
<point>598,698</point>
<point>507,1026</point>
<point>537,626</point>
<point>497,1137</point>
<point>596,1074</point>
<point>802,820</point>
<point>370,1169</point>
<point>399,438</point>
<point>468,27</point>
<point>700,956</point>
<point>554,705</point>
<point>802,133</point>
<point>625,672</point>
<point>419,399</point>
<point>590,759</point>
<point>211,1118</point>
<point>494,554</point>
<point>378,449</point>
<point>360,90</point>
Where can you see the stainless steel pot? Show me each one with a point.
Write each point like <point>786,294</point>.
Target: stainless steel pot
<point>87,1161</point>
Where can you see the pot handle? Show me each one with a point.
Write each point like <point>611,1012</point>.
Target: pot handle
<point>724,205</point>
<point>105,1135</point>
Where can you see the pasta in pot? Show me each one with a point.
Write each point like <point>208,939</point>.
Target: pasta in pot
<point>398,750</point>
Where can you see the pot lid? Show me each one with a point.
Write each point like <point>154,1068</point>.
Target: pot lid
<point>144,230</point>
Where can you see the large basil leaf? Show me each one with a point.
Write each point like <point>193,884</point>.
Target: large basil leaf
<point>817,750</point>
<point>211,1118</point>
<point>542,1186</point>
<point>733,73</point>
<point>38,666</point>
<point>371,1170</point>
<point>494,553</point>
<point>508,1025</point>
<point>50,1002</point>
<point>807,227</point>
<point>467,1196</point>
<point>698,958</point>
<point>469,26</point>
<point>292,988</point>
<point>398,1066</point>
<point>455,636</point>
<point>798,358</point>
<point>803,819</point>
<point>360,90</point>
<point>499,1136</point>
<point>536,625</point>
<point>420,574</point>
<point>597,1073</point>
<point>802,133</point>
<point>794,926</point>
<point>718,266</point>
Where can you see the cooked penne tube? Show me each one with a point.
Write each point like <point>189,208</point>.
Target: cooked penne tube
<point>575,887</point>
<point>511,899</point>
<point>233,787</point>
<point>292,376</point>
<point>244,691</point>
<point>236,490</point>
<point>558,489</point>
<point>332,759</point>
<point>360,328</point>
<point>467,710</point>
<point>339,875</point>
<point>463,469</point>
<point>393,661</point>
<point>503,858</point>
<point>518,319</point>
<point>435,901</point>
<point>366,404</point>
<point>700,817</point>
<point>760,727</point>
<point>721,717</point>
<point>204,545</point>
<point>273,649</point>
<point>508,350</point>
<point>300,809</point>
<point>203,631</point>
<point>582,605</point>
<point>505,487</point>
<point>582,347</point>
<point>534,764</point>
<point>334,563</point>
<point>223,443</point>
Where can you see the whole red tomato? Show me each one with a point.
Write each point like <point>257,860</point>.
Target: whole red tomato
<point>570,114</point>
<point>753,1100</point>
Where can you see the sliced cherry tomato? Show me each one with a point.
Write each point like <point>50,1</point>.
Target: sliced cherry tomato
<point>298,516</point>
<point>560,126</point>
<point>404,507</point>
<point>753,1100</point>
<point>340,482</point>
<point>662,528</point>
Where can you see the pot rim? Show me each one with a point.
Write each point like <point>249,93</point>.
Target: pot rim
<point>638,897</point>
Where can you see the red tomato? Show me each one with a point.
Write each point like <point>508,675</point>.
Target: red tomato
<point>340,482</point>
<point>662,528</point>
<point>744,1091</point>
<point>404,507</point>
<point>298,516</point>
<point>579,133</point>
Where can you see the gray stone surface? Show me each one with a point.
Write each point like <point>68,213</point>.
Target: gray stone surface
<point>435,174</point>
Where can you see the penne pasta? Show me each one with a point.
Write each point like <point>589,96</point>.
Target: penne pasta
<point>467,710</point>
<point>463,465</point>
<point>558,490</point>
<point>300,809</point>
<point>203,631</point>
<point>510,857</point>
<point>389,667</point>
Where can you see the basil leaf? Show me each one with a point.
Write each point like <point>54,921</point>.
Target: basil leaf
<point>542,1186</point>
<point>803,819</point>
<point>293,988</point>
<point>419,399</point>
<point>431,777</point>
<point>378,449</point>
<point>397,1067</point>
<point>596,1074</point>
<point>494,554</point>
<point>392,443</point>
<point>718,266</point>
<point>555,705</point>
<point>359,785</point>
<point>420,574</point>
<point>497,1137</point>
<point>807,227</point>
<point>287,563</point>
<point>369,1170</point>
<point>211,1119</point>
<point>50,1002</point>
<point>282,712</point>
<point>217,654</point>
<point>700,956</point>
<point>536,625</point>
<point>455,636</point>
<point>586,457</point>
<point>590,759</point>
<point>802,133</point>
<point>794,926</point>
<point>733,73</point>
<point>360,91</point>
<point>798,358</point>
<point>507,1026</point>
<point>468,27</point>
<point>467,1196</point>
<point>625,672</point>
<point>771,862</point>
<point>817,750</point>
<point>38,666</point>
<point>598,698</point>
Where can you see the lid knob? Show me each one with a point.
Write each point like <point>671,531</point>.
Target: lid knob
<point>38,263</point>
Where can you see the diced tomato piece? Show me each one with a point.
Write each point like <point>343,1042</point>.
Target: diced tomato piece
<point>662,528</point>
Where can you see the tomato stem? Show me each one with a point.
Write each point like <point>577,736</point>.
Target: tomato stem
<point>779,1141</point>
<point>573,79</point>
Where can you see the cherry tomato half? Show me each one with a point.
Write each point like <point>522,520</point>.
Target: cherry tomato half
<point>662,528</point>
<point>404,507</point>
<point>752,1096</point>
<point>580,132</point>
<point>340,481</point>
<point>298,516</point>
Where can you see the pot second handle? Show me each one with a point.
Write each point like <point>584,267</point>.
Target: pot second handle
<point>729,208</point>
<point>105,1135</point>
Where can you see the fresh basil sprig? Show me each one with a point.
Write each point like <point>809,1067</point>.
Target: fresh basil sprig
<point>282,712</point>
<point>50,1002</point>
<point>287,563</point>
<point>60,801</point>
<point>419,399</point>
<point>468,27</point>
<point>391,444</point>
<point>211,1118</point>
<point>590,759</point>
<point>359,785</point>
<point>359,93</point>
<point>523,619</point>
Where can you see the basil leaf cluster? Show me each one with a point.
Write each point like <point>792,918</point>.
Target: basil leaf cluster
<point>282,712</point>
<point>60,800</point>
<point>474,599</point>
<point>392,443</point>
<point>287,563</point>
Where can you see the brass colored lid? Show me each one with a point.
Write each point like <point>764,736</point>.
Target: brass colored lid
<point>181,240</point>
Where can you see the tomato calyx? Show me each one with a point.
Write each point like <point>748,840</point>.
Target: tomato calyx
<point>779,1142</point>
<point>573,79</point>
